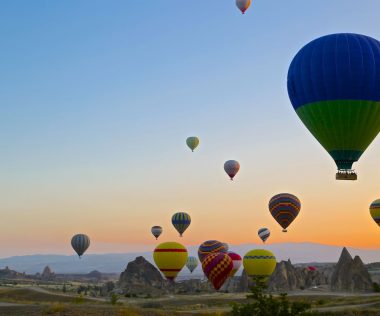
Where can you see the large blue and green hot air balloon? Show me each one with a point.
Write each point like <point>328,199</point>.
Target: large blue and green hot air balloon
<point>334,86</point>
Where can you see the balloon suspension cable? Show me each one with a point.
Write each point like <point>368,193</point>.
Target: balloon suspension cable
<point>346,174</point>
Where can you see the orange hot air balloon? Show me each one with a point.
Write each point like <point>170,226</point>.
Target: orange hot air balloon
<point>243,5</point>
<point>217,267</point>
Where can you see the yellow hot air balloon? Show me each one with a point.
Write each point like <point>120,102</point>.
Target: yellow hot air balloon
<point>259,263</point>
<point>170,258</point>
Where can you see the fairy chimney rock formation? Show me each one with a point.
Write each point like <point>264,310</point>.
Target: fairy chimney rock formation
<point>350,275</point>
<point>140,277</point>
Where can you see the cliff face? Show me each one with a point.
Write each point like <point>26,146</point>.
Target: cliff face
<point>141,277</point>
<point>350,275</point>
<point>286,277</point>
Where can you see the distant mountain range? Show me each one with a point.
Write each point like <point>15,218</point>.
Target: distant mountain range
<point>116,263</point>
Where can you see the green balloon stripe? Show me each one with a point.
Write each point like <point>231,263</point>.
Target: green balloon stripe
<point>345,128</point>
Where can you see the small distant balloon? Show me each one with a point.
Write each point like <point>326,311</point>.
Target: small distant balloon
<point>156,231</point>
<point>170,258</point>
<point>217,267</point>
<point>284,208</point>
<point>192,142</point>
<point>80,243</point>
<point>264,234</point>
<point>236,261</point>
<point>181,221</point>
<point>375,211</point>
<point>243,5</point>
<point>231,167</point>
<point>192,263</point>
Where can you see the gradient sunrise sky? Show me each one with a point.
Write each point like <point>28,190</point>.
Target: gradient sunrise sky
<point>96,101</point>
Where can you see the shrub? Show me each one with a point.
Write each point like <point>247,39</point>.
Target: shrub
<point>78,300</point>
<point>266,305</point>
<point>114,298</point>
<point>55,308</point>
<point>151,305</point>
<point>376,287</point>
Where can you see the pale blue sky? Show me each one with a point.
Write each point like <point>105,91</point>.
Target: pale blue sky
<point>98,97</point>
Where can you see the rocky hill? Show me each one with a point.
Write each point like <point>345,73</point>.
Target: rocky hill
<point>351,275</point>
<point>47,274</point>
<point>142,278</point>
<point>7,273</point>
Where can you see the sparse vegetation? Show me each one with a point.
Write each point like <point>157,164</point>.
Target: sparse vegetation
<point>114,298</point>
<point>264,304</point>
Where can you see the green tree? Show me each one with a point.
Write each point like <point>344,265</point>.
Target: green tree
<point>264,304</point>
<point>114,298</point>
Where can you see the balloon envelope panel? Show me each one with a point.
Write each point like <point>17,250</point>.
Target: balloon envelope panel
<point>236,261</point>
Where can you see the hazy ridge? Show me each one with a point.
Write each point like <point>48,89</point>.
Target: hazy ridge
<point>115,263</point>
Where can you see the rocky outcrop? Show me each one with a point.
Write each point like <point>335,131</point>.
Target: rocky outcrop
<point>350,275</point>
<point>94,275</point>
<point>141,277</point>
<point>286,277</point>
<point>7,273</point>
<point>47,274</point>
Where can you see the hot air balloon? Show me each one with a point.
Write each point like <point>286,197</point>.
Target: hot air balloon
<point>225,246</point>
<point>259,263</point>
<point>311,268</point>
<point>264,234</point>
<point>80,243</point>
<point>156,231</point>
<point>192,142</point>
<point>231,167</point>
<point>334,87</point>
<point>217,267</point>
<point>181,221</point>
<point>192,263</point>
<point>236,261</point>
<point>284,208</point>
<point>170,258</point>
<point>375,211</point>
<point>243,5</point>
<point>210,246</point>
